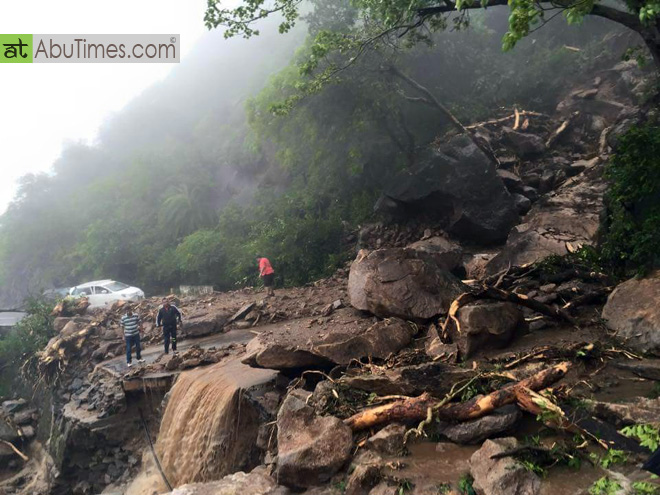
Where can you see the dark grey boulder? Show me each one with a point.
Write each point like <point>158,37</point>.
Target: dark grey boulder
<point>457,186</point>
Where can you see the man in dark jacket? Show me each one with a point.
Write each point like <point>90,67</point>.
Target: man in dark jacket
<point>168,316</point>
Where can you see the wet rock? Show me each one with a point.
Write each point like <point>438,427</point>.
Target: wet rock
<point>258,482</point>
<point>332,307</point>
<point>435,348</point>
<point>640,411</point>
<point>525,145</point>
<point>475,266</point>
<point>389,440</point>
<point>632,310</point>
<point>244,310</point>
<point>447,254</point>
<point>28,432</point>
<point>511,181</point>
<point>76,385</point>
<point>523,204</point>
<point>530,193</point>
<point>13,405</point>
<point>649,369</point>
<point>340,341</point>
<point>501,476</point>
<point>457,187</point>
<point>401,282</point>
<point>310,448</point>
<point>201,323</point>
<point>25,417</point>
<point>550,226</point>
<point>486,324</point>
<point>478,430</point>
<point>362,480</point>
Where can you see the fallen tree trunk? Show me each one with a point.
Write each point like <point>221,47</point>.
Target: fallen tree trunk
<point>417,408</point>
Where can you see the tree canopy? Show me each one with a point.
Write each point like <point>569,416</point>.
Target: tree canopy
<point>367,23</point>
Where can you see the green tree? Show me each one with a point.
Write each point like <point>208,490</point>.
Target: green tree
<point>375,21</point>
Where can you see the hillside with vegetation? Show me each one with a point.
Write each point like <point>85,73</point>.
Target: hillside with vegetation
<point>224,159</point>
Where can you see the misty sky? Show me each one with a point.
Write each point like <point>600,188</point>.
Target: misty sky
<point>46,105</point>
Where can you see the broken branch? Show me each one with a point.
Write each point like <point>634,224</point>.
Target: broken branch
<point>416,409</point>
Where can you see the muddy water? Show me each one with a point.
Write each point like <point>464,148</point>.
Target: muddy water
<point>205,433</point>
<point>430,465</point>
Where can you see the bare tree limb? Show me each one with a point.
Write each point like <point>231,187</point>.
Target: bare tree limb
<point>417,408</point>
<point>433,101</point>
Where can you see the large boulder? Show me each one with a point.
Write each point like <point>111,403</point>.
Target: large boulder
<point>338,339</point>
<point>632,310</point>
<point>524,144</point>
<point>486,324</point>
<point>457,186</point>
<point>503,476</point>
<point>311,449</point>
<point>550,228</point>
<point>401,282</point>
<point>203,322</point>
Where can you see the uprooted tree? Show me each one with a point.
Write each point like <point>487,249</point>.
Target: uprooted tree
<point>367,22</point>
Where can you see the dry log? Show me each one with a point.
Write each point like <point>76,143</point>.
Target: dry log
<point>508,117</point>
<point>552,415</point>
<point>516,122</point>
<point>560,130</point>
<point>417,408</point>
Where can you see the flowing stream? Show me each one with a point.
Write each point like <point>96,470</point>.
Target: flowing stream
<point>208,429</point>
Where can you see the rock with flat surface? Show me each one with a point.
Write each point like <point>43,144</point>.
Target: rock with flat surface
<point>338,339</point>
<point>401,282</point>
<point>310,448</point>
<point>551,228</point>
<point>456,186</point>
<point>511,181</point>
<point>446,253</point>
<point>524,144</point>
<point>501,476</point>
<point>632,310</point>
<point>13,405</point>
<point>476,431</point>
<point>201,323</point>
<point>258,482</point>
<point>389,440</point>
<point>486,324</point>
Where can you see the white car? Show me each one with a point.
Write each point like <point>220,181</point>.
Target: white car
<point>105,292</point>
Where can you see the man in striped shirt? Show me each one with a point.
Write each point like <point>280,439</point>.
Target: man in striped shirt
<point>131,323</point>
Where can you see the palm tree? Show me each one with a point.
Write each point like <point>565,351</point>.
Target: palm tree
<point>186,209</point>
